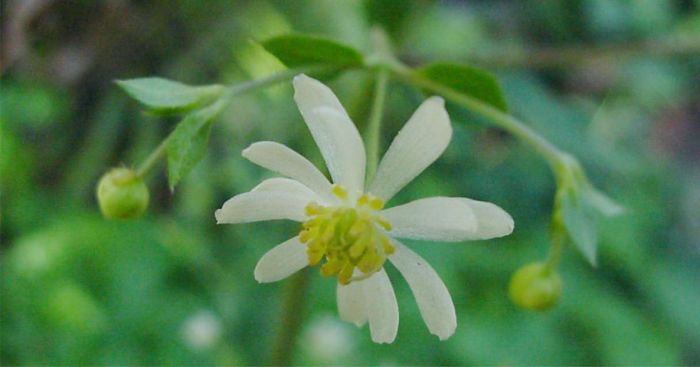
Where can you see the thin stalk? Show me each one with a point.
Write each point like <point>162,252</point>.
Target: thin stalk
<point>375,122</point>
<point>290,323</point>
<point>509,123</point>
<point>556,247</point>
<point>152,160</point>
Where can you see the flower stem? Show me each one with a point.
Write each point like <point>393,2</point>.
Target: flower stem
<point>507,122</point>
<point>375,122</point>
<point>292,312</point>
<point>556,246</point>
<point>152,160</point>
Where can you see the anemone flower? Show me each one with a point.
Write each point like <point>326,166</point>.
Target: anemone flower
<point>344,223</point>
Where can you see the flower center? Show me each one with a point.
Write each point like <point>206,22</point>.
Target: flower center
<point>347,236</point>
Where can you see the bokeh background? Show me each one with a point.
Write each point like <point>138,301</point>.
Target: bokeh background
<point>174,288</point>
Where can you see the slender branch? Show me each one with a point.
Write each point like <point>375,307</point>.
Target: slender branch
<point>152,160</point>
<point>556,243</point>
<point>375,122</point>
<point>292,311</point>
<point>507,122</point>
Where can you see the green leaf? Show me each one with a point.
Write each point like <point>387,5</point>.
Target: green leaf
<point>165,96</point>
<point>296,50</point>
<point>602,203</point>
<point>465,79</point>
<point>187,144</point>
<point>580,222</point>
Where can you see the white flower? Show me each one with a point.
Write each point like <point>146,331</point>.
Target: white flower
<point>345,222</point>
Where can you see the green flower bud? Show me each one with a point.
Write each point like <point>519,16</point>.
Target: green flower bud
<point>535,287</point>
<point>122,194</point>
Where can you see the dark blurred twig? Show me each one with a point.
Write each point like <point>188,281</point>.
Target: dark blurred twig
<point>556,57</point>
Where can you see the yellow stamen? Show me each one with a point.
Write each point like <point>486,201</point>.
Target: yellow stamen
<point>349,237</point>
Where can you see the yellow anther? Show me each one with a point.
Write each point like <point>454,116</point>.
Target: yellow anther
<point>304,236</point>
<point>382,222</point>
<point>376,203</point>
<point>339,192</point>
<point>347,237</point>
<point>363,200</point>
<point>346,273</point>
<point>388,246</point>
<point>357,248</point>
<point>313,209</point>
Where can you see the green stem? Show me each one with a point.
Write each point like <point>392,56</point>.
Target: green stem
<point>556,247</point>
<point>292,314</point>
<point>152,160</point>
<point>375,122</point>
<point>507,122</point>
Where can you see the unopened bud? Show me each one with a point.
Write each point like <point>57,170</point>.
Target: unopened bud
<point>122,194</point>
<point>535,287</point>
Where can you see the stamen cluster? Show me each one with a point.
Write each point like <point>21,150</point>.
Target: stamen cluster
<point>349,237</point>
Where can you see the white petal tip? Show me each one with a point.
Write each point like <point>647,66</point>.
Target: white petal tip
<point>446,335</point>
<point>299,78</point>
<point>217,216</point>
<point>437,99</point>
<point>261,281</point>
<point>508,225</point>
<point>383,341</point>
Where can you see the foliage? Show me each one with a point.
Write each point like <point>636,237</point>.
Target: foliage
<point>173,288</point>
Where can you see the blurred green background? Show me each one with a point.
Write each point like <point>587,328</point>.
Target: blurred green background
<point>174,288</point>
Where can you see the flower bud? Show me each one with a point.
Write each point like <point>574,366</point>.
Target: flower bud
<point>535,287</point>
<point>122,194</point>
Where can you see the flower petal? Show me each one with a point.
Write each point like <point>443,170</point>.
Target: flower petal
<point>352,303</point>
<point>285,161</point>
<point>284,184</point>
<point>419,143</point>
<point>382,309</point>
<point>492,221</point>
<point>262,205</point>
<point>335,134</point>
<point>281,261</point>
<point>437,219</point>
<point>432,296</point>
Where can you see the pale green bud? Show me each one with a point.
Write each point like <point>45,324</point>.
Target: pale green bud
<point>122,194</point>
<point>535,287</point>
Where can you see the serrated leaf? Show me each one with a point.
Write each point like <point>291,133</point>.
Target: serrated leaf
<point>296,50</point>
<point>468,80</point>
<point>187,144</point>
<point>165,96</point>
<point>580,222</point>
